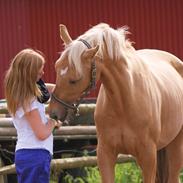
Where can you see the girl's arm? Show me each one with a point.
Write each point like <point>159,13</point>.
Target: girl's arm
<point>41,130</point>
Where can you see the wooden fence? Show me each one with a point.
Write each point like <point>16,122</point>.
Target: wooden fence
<point>67,163</point>
<point>8,132</point>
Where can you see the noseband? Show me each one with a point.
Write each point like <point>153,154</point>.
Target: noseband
<point>91,86</point>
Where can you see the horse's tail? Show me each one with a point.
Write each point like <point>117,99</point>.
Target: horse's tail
<point>162,166</point>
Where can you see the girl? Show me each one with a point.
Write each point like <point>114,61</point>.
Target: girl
<point>26,93</point>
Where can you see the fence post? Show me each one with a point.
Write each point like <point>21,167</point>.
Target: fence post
<point>3,178</point>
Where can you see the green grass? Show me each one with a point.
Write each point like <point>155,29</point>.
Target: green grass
<point>127,172</point>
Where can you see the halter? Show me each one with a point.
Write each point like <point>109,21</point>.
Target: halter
<point>91,86</point>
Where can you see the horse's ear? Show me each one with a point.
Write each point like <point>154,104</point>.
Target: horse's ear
<point>90,53</point>
<point>64,35</point>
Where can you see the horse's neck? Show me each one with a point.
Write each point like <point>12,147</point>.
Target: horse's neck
<point>117,82</point>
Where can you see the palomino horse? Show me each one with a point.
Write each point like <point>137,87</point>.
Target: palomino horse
<point>139,109</point>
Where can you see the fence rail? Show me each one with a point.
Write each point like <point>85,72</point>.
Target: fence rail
<point>8,132</point>
<point>67,163</point>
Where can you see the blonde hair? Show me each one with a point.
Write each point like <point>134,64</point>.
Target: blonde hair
<point>20,79</point>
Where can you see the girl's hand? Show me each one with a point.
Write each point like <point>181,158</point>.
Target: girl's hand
<point>58,124</point>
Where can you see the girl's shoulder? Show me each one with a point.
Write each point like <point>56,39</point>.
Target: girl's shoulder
<point>33,104</point>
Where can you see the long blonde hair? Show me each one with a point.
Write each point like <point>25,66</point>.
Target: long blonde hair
<point>20,79</point>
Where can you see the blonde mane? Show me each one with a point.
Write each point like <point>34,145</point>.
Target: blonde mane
<point>110,41</point>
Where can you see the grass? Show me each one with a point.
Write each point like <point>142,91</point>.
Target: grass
<point>127,172</point>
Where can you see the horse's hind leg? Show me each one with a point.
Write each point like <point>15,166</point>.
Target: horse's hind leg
<point>175,158</point>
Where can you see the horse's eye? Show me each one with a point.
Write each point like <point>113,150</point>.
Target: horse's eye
<point>72,81</point>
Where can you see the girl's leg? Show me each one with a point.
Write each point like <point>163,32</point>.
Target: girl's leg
<point>33,165</point>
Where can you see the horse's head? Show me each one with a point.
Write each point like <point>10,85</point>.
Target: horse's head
<point>75,74</point>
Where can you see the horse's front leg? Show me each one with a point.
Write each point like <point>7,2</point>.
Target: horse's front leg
<point>106,159</point>
<point>147,159</point>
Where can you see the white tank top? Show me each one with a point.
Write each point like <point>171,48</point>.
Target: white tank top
<point>25,134</point>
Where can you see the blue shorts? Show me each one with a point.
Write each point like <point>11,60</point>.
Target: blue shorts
<point>32,165</point>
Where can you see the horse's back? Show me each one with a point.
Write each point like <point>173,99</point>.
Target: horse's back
<point>166,69</point>
<point>156,55</point>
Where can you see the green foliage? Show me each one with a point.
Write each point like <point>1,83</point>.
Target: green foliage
<point>69,179</point>
<point>92,175</point>
<point>181,176</point>
<point>127,172</point>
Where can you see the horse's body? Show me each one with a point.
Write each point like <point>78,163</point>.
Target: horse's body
<point>139,108</point>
